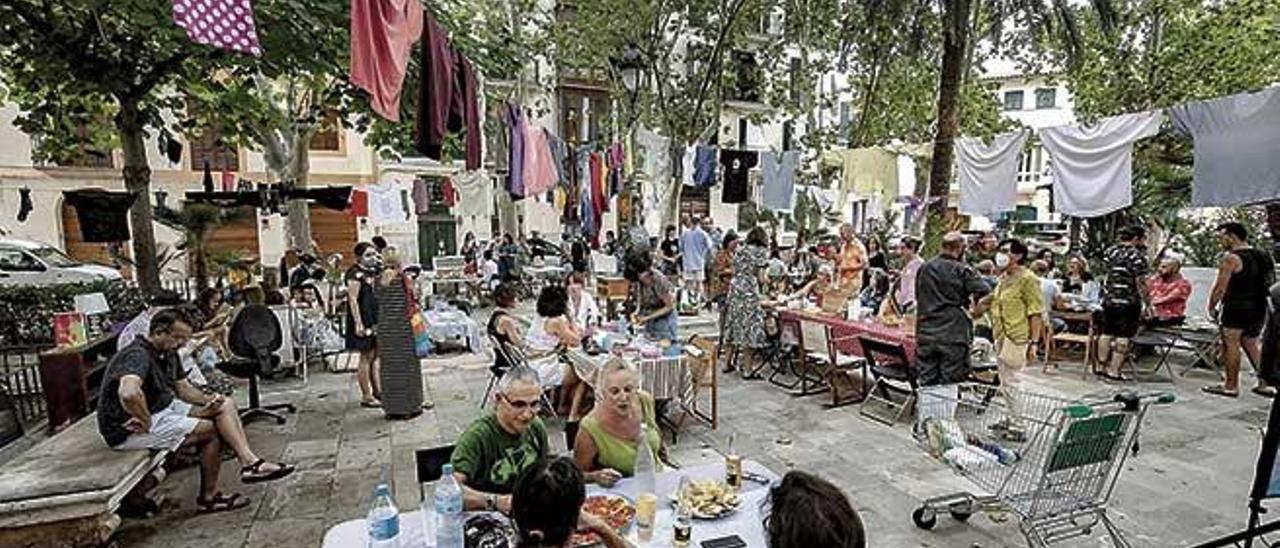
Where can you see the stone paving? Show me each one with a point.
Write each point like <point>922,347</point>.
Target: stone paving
<point>1188,484</point>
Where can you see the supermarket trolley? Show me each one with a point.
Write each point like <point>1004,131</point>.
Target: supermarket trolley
<point>1052,462</point>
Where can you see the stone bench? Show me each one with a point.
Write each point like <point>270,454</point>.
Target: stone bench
<point>64,491</point>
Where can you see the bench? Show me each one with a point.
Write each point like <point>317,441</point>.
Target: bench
<point>64,491</point>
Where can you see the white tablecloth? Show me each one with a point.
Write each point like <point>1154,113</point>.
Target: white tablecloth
<point>455,327</point>
<point>746,523</point>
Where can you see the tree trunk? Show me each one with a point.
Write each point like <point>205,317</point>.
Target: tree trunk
<point>137,180</point>
<point>954,45</point>
<point>200,263</point>
<point>299,214</point>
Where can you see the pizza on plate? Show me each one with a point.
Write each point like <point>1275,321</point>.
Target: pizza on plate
<point>615,510</point>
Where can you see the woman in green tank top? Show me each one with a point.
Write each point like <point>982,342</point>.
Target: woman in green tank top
<point>605,448</point>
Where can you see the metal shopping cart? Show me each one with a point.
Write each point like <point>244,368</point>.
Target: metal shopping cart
<point>1050,461</point>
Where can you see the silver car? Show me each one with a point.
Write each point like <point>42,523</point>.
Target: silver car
<point>24,262</point>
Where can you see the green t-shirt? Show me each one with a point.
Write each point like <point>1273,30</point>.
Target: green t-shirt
<point>492,459</point>
<point>620,454</point>
<point>1016,299</point>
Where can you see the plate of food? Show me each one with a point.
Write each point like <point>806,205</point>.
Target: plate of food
<point>616,510</point>
<point>708,500</point>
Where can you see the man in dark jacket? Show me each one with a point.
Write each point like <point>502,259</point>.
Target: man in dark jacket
<point>946,290</point>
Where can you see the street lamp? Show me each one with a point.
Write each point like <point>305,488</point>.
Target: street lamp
<point>629,64</point>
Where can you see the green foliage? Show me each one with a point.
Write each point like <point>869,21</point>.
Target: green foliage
<point>26,312</point>
<point>1196,238</point>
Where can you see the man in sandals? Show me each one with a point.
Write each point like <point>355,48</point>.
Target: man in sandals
<point>147,403</point>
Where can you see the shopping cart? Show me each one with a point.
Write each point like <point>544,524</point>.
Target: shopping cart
<point>1050,461</point>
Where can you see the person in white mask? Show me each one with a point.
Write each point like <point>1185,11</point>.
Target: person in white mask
<point>1016,309</point>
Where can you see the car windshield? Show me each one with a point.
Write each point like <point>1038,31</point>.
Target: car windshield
<point>52,256</point>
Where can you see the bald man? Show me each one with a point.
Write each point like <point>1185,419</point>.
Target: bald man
<point>946,290</point>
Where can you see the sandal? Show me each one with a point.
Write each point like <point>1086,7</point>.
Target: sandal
<point>1116,378</point>
<point>371,404</point>
<point>1219,391</point>
<point>254,474</point>
<point>221,503</point>
<point>1264,391</point>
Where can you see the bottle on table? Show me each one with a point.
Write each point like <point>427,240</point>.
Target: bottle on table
<point>682,525</point>
<point>733,465</point>
<point>383,519</point>
<point>448,500</point>
<point>646,483</point>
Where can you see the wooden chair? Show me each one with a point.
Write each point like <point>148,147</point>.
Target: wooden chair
<point>822,363</point>
<point>1087,339</point>
<point>894,372</point>
<point>702,355</point>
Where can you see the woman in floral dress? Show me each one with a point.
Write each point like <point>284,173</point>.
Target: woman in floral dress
<point>744,325</point>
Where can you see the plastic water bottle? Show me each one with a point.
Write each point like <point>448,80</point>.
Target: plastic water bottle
<point>383,519</point>
<point>448,511</point>
<point>646,483</point>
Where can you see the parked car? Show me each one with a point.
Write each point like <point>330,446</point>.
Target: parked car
<point>24,262</point>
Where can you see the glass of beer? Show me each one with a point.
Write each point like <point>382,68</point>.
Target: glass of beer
<point>646,513</point>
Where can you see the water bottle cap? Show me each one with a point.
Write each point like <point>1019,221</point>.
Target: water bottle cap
<point>382,489</point>
<point>447,469</point>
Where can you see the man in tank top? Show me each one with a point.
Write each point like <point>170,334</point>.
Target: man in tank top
<point>1239,301</point>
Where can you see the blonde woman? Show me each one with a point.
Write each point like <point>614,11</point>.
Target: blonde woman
<point>605,448</point>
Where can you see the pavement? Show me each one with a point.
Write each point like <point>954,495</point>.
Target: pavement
<point>1188,484</point>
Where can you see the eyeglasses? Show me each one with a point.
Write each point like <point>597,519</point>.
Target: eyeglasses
<point>522,405</point>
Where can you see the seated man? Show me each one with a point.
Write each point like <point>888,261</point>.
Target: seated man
<point>499,446</point>
<point>547,507</point>
<point>1169,293</point>
<point>147,403</point>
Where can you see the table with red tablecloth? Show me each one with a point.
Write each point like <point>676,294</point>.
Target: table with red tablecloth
<point>846,332</point>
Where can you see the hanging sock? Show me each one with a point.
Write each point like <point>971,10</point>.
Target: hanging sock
<point>988,174</point>
<point>24,204</point>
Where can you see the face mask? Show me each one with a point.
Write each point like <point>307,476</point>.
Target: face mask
<point>1002,260</point>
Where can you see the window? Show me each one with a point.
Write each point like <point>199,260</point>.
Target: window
<point>1031,165</point>
<point>584,113</point>
<point>329,137</point>
<point>14,260</point>
<point>747,77</point>
<point>1013,100</point>
<point>1046,98</point>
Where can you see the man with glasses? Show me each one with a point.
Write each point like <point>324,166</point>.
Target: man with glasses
<point>501,445</point>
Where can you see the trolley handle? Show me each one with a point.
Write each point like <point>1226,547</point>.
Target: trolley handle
<point>1131,399</point>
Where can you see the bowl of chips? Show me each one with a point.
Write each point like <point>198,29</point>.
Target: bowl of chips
<point>708,499</point>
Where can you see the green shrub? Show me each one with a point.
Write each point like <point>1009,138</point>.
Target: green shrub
<point>26,312</point>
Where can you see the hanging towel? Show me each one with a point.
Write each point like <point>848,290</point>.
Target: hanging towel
<point>515,163</point>
<point>421,196</point>
<point>1237,147</point>
<point>867,171</point>
<point>475,193</point>
<point>737,165</point>
<point>778,171</point>
<point>448,193</point>
<point>103,215</point>
<point>599,198</point>
<point>447,100</point>
<point>988,174</point>
<point>539,167</point>
<point>559,157</point>
<point>226,24</point>
<point>688,165</point>
<point>1093,166</point>
<point>385,206</point>
<point>383,33</point>
<point>359,203</point>
<point>654,155</point>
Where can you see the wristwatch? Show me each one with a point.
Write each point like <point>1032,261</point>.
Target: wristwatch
<point>491,503</point>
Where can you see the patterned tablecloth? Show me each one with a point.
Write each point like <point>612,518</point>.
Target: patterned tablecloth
<point>664,377</point>
<point>789,320</point>
<point>455,327</point>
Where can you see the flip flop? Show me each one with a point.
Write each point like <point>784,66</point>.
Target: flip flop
<point>221,503</point>
<point>1116,378</point>
<point>1264,391</point>
<point>371,404</point>
<point>1219,391</point>
<point>254,474</point>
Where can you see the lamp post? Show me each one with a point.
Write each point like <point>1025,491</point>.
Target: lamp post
<point>630,66</point>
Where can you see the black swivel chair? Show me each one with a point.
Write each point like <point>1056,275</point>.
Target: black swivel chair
<point>254,338</point>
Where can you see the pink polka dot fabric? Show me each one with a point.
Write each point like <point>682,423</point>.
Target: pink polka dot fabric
<point>227,24</point>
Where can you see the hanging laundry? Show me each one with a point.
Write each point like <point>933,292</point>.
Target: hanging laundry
<point>687,165</point>
<point>421,196</point>
<point>988,174</point>
<point>599,196</point>
<point>103,215</point>
<point>869,170</point>
<point>1237,147</point>
<point>207,182</point>
<point>515,161</point>
<point>226,24</point>
<point>654,154</point>
<point>385,206</point>
<point>539,167</point>
<point>359,203</point>
<point>778,173</point>
<point>1093,165</point>
<point>333,197</point>
<point>615,161</point>
<point>559,157</point>
<point>704,170</point>
<point>24,204</point>
<point>737,165</point>
<point>448,193</point>
<point>446,96</point>
<point>475,193</point>
<point>383,33</point>
<point>406,204</point>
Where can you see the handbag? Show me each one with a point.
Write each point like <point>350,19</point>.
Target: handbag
<point>422,345</point>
